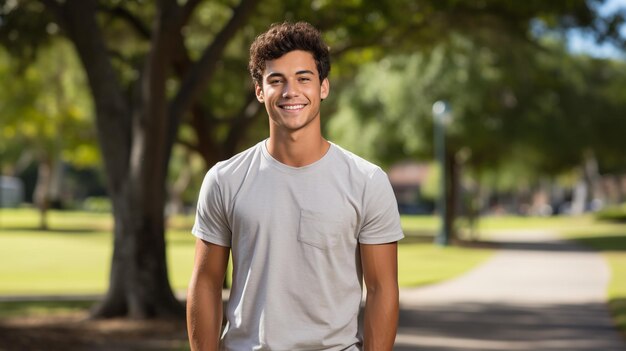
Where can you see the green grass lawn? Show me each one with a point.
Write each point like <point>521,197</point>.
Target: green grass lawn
<point>421,262</point>
<point>73,257</point>
<point>557,223</point>
<point>10,309</point>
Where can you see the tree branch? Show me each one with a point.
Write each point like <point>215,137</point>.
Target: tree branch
<point>203,123</point>
<point>240,123</point>
<point>188,144</point>
<point>187,10</point>
<point>202,71</point>
<point>112,112</point>
<point>134,21</point>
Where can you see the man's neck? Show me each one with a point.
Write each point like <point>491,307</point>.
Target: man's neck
<point>297,149</point>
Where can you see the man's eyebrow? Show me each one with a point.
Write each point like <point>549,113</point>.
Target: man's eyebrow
<point>306,71</point>
<point>274,74</point>
<point>280,75</point>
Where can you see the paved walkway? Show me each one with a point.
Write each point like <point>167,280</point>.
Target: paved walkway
<point>537,293</point>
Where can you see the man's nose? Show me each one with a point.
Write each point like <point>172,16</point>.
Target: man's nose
<point>290,90</point>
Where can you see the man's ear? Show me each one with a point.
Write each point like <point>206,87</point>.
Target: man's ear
<point>324,89</point>
<point>259,93</point>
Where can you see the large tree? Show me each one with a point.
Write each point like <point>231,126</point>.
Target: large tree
<point>137,120</point>
<point>151,67</point>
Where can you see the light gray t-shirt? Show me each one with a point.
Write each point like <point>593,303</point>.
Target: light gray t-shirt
<point>294,234</point>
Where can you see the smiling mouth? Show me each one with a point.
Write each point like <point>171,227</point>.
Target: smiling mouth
<point>292,107</point>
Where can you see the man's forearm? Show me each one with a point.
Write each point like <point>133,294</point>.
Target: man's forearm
<point>204,318</point>
<point>381,319</point>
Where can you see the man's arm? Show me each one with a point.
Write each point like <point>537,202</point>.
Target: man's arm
<point>380,271</point>
<point>204,297</point>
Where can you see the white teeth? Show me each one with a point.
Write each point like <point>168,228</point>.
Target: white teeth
<point>293,107</point>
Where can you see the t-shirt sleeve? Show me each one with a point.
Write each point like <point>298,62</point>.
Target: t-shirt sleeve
<point>211,222</point>
<point>381,223</point>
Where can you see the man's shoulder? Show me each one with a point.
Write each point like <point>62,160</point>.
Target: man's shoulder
<point>226,169</point>
<point>356,163</point>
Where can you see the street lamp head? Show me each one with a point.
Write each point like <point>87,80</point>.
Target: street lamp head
<point>442,112</point>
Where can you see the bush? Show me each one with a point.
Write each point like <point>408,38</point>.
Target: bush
<point>615,213</point>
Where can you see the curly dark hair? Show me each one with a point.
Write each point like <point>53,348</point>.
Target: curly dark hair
<point>282,38</point>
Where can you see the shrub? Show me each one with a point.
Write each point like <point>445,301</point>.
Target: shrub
<point>97,204</point>
<point>616,213</point>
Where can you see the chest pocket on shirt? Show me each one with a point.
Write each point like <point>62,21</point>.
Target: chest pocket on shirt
<point>319,229</point>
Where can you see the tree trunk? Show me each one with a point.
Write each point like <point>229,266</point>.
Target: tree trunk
<point>452,190</point>
<point>579,197</point>
<point>56,181</point>
<point>135,156</point>
<point>136,140</point>
<point>592,178</point>
<point>41,195</point>
<point>474,207</point>
<point>138,285</point>
<point>618,179</point>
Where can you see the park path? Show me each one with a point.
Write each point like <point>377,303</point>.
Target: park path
<point>537,293</point>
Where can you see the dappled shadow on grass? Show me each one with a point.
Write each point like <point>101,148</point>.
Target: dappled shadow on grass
<point>604,243</point>
<point>618,310</point>
<point>55,230</point>
<point>418,236</point>
<point>501,326</point>
<point>601,243</point>
<point>29,308</point>
<point>432,327</point>
<point>556,245</point>
<point>76,332</point>
<point>66,325</point>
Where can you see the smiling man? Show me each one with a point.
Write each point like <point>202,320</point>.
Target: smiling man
<point>306,220</point>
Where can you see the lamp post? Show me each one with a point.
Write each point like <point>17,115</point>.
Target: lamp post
<point>441,117</point>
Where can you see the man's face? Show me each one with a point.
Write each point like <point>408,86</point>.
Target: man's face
<point>291,91</point>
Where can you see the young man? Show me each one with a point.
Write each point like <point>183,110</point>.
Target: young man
<point>306,221</point>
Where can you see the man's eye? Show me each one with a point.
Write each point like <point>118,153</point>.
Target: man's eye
<point>275,81</point>
<point>305,79</point>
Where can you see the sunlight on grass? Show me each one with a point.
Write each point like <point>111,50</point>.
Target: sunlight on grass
<point>74,256</point>
<point>517,222</point>
<point>420,264</point>
<point>57,220</point>
<point>419,224</point>
<point>180,254</point>
<point>36,262</point>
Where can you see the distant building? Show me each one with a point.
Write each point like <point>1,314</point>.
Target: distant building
<point>11,191</point>
<point>407,180</point>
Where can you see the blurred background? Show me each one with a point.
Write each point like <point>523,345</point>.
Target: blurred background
<point>112,111</point>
